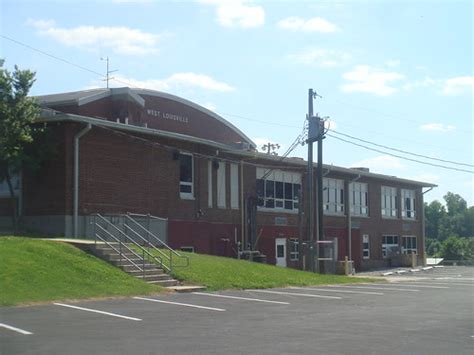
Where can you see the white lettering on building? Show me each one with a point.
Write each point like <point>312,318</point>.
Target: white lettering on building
<point>167,116</point>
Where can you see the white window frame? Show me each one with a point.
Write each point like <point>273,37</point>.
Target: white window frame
<point>333,196</point>
<point>408,203</point>
<point>294,249</point>
<point>386,244</point>
<point>267,199</point>
<point>221,185</point>
<point>409,245</point>
<point>209,184</point>
<point>359,199</point>
<point>234,186</point>
<point>389,202</point>
<point>187,195</point>
<point>365,247</point>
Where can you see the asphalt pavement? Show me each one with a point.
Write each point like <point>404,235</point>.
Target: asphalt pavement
<point>426,312</point>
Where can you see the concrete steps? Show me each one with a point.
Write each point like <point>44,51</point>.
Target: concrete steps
<point>142,269</point>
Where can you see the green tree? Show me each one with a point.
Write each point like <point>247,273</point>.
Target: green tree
<point>453,248</point>
<point>17,131</point>
<point>435,215</point>
<point>455,204</point>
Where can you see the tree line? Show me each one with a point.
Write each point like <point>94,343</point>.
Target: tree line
<point>449,228</point>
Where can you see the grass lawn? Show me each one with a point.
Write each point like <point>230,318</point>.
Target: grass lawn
<point>219,273</point>
<point>37,270</point>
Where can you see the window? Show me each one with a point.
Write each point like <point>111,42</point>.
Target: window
<point>333,196</point>
<point>409,245</point>
<point>221,189</point>
<point>209,183</point>
<point>294,249</point>
<point>186,173</point>
<point>389,201</point>
<point>408,204</point>
<point>389,245</point>
<point>234,186</point>
<point>278,190</point>
<point>359,199</point>
<point>5,190</point>
<point>365,247</point>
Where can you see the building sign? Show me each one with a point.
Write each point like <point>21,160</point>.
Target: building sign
<point>167,116</point>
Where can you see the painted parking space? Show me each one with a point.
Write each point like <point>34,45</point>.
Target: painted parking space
<point>175,323</point>
<point>15,329</point>
<point>97,311</point>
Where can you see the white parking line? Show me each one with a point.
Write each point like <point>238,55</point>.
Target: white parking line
<point>416,284</point>
<point>341,291</point>
<point>180,304</point>
<point>18,330</point>
<point>296,294</point>
<point>97,311</point>
<point>436,283</point>
<point>238,298</point>
<point>378,288</point>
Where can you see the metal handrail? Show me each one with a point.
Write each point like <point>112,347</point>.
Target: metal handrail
<point>157,239</point>
<point>152,246</point>
<point>120,244</point>
<point>147,215</point>
<point>158,259</point>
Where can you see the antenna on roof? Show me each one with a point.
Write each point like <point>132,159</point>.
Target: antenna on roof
<point>107,76</point>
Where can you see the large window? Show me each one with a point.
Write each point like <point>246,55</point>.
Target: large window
<point>389,201</point>
<point>294,249</point>
<point>333,196</point>
<point>365,246</point>
<point>221,187</point>
<point>186,173</point>
<point>278,189</point>
<point>408,204</point>
<point>359,199</point>
<point>409,244</point>
<point>390,245</point>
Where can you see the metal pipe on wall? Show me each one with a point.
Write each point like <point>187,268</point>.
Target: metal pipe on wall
<point>77,137</point>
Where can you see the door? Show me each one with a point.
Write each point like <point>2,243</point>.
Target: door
<point>280,251</point>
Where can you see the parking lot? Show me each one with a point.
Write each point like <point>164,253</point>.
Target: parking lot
<point>425,312</point>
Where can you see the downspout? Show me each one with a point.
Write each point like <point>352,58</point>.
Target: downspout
<point>349,216</point>
<point>76,177</point>
<point>423,236</point>
<point>242,210</point>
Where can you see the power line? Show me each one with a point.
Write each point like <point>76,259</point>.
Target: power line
<point>400,150</point>
<point>399,156</point>
<point>64,60</point>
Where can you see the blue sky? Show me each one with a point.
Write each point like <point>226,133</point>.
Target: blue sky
<point>398,74</point>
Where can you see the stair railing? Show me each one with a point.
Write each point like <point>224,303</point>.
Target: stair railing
<point>124,241</point>
<point>156,241</point>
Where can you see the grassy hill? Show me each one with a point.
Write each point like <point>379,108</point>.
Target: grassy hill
<point>33,270</point>
<point>222,273</point>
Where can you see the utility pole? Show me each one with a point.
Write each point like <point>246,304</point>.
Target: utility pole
<point>313,134</point>
<point>271,148</point>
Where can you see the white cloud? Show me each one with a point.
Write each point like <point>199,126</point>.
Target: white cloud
<point>320,57</point>
<point>426,82</point>
<point>458,85</point>
<point>238,13</point>
<point>437,127</point>
<point>364,78</point>
<point>392,63</point>
<point>380,163</point>
<point>122,40</point>
<point>429,178</point>
<point>174,82</point>
<point>315,24</point>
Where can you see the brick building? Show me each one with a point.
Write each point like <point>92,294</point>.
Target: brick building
<point>141,151</point>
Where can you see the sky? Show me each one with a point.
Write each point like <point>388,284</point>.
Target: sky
<point>393,76</point>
